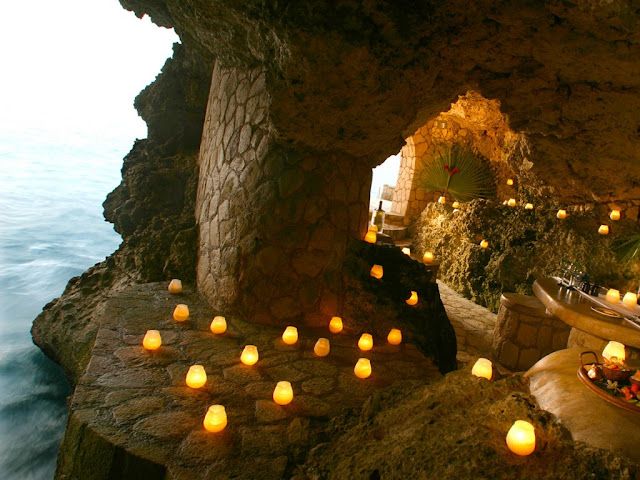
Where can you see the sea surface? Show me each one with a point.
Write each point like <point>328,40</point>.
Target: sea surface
<point>51,229</point>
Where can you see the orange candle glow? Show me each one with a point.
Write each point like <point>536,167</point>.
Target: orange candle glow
<point>362,368</point>
<point>371,237</point>
<point>196,376</point>
<point>562,214</point>
<point>413,299</point>
<point>394,337</point>
<point>365,342</point>
<point>612,296</point>
<point>510,181</point>
<point>218,325</point>
<point>216,419</point>
<point>427,257</point>
<point>614,349</point>
<point>483,368</point>
<point>175,286</point>
<point>442,200</point>
<point>528,206</point>
<point>521,438</point>
<point>406,251</point>
<point>335,325</point>
<point>484,244</point>
<point>511,202</point>
<point>376,271</point>
<point>152,340</point>
<point>455,204</point>
<point>630,299</point>
<point>290,335</point>
<point>249,355</point>
<point>603,230</point>
<point>283,393</point>
<point>322,347</point>
<point>614,215</point>
<point>181,313</point>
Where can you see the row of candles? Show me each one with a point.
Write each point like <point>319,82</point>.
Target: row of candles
<point>562,214</point>
<point>215,419</point>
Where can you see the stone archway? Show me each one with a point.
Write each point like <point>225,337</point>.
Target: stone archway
<point>472,118</point>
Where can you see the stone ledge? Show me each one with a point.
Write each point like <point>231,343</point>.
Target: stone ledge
<point>135,403</point>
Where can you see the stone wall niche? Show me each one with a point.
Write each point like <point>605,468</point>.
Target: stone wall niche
<point>274,219</point>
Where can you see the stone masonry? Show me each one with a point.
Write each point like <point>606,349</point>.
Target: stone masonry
<point>132,416</point>
<point>274,221</point>
<point>525,333</point>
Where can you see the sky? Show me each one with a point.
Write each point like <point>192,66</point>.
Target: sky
<point>68,71</point>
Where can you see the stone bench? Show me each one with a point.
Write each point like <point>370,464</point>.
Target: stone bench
<point>525,332</point>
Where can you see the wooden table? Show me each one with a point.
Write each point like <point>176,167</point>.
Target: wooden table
<point>591,329</point>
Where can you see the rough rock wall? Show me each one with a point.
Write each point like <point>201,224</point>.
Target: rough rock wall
<point>274,220</point>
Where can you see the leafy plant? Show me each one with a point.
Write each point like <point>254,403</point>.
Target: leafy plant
<point>456,169</point>
<point>629,247</point>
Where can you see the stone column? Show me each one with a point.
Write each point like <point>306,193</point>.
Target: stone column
<point>274,218</point>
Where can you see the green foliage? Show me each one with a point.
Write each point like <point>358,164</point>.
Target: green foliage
<point>629,248</point>
<point>523,246</point>
<point>472,179</point>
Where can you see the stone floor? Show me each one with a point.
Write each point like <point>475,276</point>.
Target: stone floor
<point>138,400</point>
<point>473,323</point>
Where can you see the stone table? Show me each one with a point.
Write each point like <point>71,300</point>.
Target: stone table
<point>591,330</point>
<point>555,385</point>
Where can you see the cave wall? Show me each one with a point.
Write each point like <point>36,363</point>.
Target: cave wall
<point>274,220</point>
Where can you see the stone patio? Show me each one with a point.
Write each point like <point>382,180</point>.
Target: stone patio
<point>135,401</point>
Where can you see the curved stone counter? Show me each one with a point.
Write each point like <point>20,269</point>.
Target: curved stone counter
<point>575,310</point>
<point>555,385</point>
<point>132,416</point>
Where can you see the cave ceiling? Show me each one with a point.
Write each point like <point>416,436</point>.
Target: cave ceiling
<point>359,76</point>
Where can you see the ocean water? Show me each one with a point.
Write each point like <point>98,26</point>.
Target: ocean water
<point>51,229</point>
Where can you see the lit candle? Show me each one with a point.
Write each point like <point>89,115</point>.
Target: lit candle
<point>152,340</point>
<point>218,325</point>
<point>612,296</point>
<point>484,244</point>
<point>630,299</point>
<point>562,214</point>
<point>528,206</point>
<point>362,368</point>
<point>455,204</point>
<point>181,313</point>
<point>614,215</point>
<point>283,393</point>
<point>196,376</point>
<point>603,230</point>
<point>322,347</point>
<point>394,337</point>
<point>335,325</point>
<point>512,202</point>
<point>216,419</point>
<point>370,237</point>
<point>413,299</point>
<point>290,335</point>
<point>376,271</point>
<point>175,286</point>
<point>427,257</point>
<point>442,200</point>
<point>365,342</point>
<point>614,349</point>
<point>249,355</point>
<point>406,251</point>
<point>373,228</point>
<point>483,368</point>
<point>521,438</point>
<point>510,181</point>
